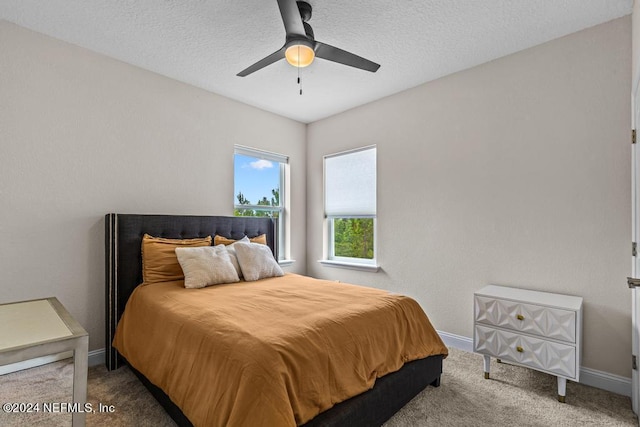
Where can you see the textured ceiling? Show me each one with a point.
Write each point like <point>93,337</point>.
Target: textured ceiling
<point>207,42</point>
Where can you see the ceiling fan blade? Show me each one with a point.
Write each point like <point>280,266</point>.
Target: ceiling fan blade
<point>335,54</point>
<point>275,56</point>
<point>291,18</point>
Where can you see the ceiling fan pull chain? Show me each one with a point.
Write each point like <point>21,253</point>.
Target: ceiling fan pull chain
<point>299,81</point>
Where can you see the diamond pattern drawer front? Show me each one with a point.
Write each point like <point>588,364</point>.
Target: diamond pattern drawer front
<point>555,358</point>
<point>546,322</point>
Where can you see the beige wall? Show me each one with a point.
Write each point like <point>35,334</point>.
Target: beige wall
<point>515,172</point>
<point>635,35</point>
<point>82,135</point>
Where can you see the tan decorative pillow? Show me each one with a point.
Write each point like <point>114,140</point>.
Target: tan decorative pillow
<point>257,261</point>
<point>159,261</point>
<point>206,266</point>
<point>221,240</point>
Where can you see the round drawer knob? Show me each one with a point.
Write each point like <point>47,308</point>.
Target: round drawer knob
<point>519,349</point>
<point>519,317</point>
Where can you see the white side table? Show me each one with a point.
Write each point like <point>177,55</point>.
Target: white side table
<point>43,327</point>
<point>539,330</point>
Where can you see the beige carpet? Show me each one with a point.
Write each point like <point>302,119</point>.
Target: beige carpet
<point>513,397</point>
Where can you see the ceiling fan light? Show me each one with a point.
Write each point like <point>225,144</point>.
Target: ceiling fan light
<point>299,55</point>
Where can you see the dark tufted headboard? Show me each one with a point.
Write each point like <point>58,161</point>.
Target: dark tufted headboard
<point>123,260</point>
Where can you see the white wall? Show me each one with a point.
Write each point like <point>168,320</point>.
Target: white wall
<point>82,135</point>
<point>515,172</point>
<point>635,35</point>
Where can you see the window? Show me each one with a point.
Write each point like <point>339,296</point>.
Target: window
<point>350,207</point>
<point>260,188</point>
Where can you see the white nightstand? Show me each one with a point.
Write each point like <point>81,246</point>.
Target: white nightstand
<point>538,330</point>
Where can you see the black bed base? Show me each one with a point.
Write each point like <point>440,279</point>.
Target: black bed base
<point>371,408</point>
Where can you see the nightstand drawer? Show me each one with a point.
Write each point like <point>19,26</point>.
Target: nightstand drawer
<point>552,357</point>
<point>545,322</point>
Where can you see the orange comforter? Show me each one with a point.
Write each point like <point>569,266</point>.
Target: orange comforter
<point>275,352</point>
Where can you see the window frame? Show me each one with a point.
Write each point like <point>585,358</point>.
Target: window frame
<point>329,253</point>
<point>282,250</point>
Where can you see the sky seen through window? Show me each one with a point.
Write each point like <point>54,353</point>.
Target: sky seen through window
<point>255,178</point>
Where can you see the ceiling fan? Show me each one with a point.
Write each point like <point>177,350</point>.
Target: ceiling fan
<point>300,47</point>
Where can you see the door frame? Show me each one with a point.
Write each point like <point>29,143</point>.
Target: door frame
<point>635,260</point>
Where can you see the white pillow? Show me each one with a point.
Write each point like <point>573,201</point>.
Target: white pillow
<point>232,254</point>
<point>206,265</point>
<point>256,261</point>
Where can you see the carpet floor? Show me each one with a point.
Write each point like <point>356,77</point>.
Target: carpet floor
<point>514,396</point>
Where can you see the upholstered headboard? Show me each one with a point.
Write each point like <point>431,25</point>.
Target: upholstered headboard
<point>123,260</point>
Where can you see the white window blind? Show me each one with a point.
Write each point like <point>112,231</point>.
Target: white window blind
<point>350,183</point>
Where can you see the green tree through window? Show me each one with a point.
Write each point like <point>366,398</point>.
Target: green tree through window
<point>353,237</point>
<point>274,201</point>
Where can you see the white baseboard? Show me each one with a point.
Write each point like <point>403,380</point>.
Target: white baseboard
<point>457,341</point>
<point>591,377</point>
<point>606,381</point>
<point>96,357</point>
<point>32,363</point>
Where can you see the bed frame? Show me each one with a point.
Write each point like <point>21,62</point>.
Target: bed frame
<point>123,272</point>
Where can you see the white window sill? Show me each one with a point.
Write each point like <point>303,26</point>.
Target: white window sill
<point>353,265</point>
<point>286,262</point>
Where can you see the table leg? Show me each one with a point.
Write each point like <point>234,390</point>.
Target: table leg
<point>487,363</point>
<point>80,367</point>
<point>562,389</point>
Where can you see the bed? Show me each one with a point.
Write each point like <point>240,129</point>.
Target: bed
<point>382,397</point>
